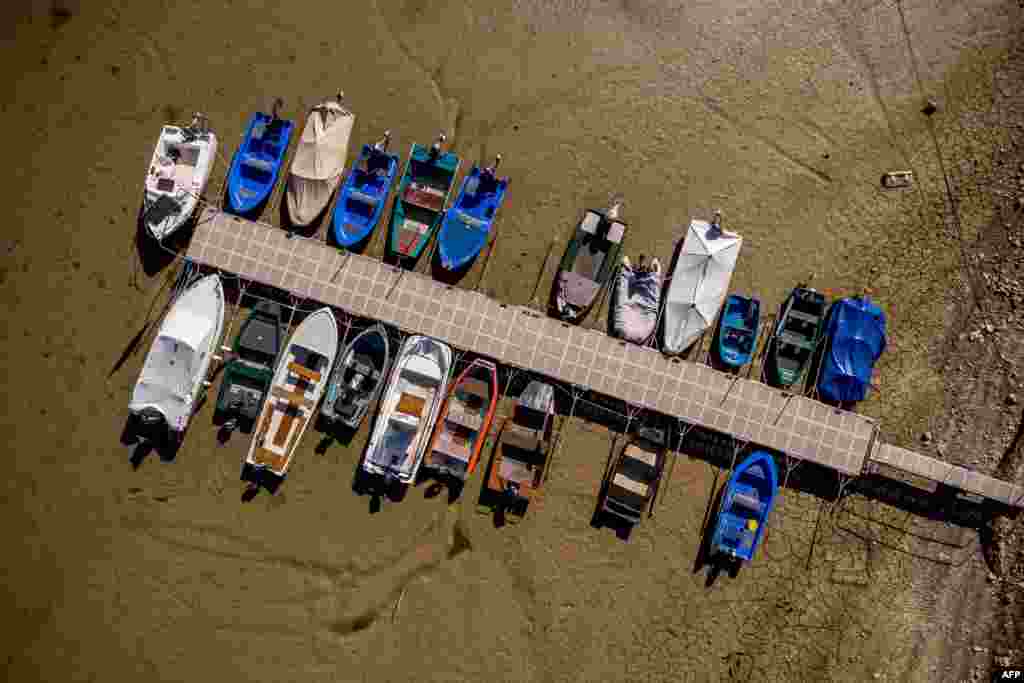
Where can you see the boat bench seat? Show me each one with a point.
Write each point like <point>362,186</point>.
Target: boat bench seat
<point>411,405</point>
<point>464,417</point>
<point>521,438</point>
<point>637,487</point>
<point>363,197</point>
<point>295,398</point>
<point>615,232</point>
<point>472,221</point>
<point>637,453</point>
<point>590,222</point>
<point>424,196</point>
<point>256,162</point>
<point>304,372</point>
<point>747,502</point>
<point>805,317</point>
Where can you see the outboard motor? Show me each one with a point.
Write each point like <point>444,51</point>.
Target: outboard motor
<point>152,425</point>
<point>435,150</point>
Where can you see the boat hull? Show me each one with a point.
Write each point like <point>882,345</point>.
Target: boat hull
<point>744,508</point>
<point>186,340</point>
<point>467,225</point>
<point>178,174</point>
<point>299,379</point>
<point>257,163</point>
<point>411,400</point>
<point>587,266</point>
<point>419,208</point>
<point>354,217</point>
<point>462,429</point>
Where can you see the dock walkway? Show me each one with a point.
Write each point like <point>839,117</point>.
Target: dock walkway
<point>521,337</point>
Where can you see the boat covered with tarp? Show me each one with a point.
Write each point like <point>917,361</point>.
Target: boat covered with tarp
<point>319,160</point>
<point>637,300</point>
<point>854,341</point>
<point>704,263</point>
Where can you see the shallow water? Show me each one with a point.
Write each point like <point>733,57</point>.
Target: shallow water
<point>782,114</point>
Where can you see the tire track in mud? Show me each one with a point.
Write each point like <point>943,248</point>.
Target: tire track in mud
<point>714,107</point>
<point>449,108</point>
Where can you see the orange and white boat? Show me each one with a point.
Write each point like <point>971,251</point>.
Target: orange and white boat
<point>464,421</point>
<point>298,384</point>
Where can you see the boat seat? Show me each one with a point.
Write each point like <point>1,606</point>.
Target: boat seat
<point>475,387</point>
<point>165,184</point>
<point>577,289</point>
<point>637,487</point>
<point>361,367</point>
<point>637,453</point>
<point>804,317</point>
<point>463,416</point>
<point>615,232</point>
<point>363,197</point>
<point>471,220</point>
<point>304,372</point>
<point>424,196</point>
<point>521,438</point>
<point>516,471</point>
<point>411,405</point>
<point>746,501</point>
<point>256,162</point>
<point>590,222</point>
<point>295,398</point>
<point>284,427</point>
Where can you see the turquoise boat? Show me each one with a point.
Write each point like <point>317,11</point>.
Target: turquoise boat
<point>422,199</point>
<point>736,333</point>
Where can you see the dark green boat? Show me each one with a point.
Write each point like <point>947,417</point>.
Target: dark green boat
<point>247,376</point>
<point>588,264</point>
<point>422,199</point>
<point>796,335</point>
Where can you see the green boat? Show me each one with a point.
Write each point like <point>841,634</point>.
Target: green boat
<point>247,376</point>
<point>422,199</point>
<point>795,338</point>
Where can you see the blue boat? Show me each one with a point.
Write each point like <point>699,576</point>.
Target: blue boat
<point>365,192</point>
<point>255,166</point>
<point>854,340</point>
<point>467,224</point>
<point>744,510</point>
<point>736,333</point>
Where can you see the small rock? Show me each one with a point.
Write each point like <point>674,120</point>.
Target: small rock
<point>926,437</point>
<point>1011,399</point>
<point>988,328</point>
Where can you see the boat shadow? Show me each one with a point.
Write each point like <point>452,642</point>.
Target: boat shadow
<point>446,276</point>
<point>341,434</point>
<point>156,255</point>
<point>258,479</point>
<point>141,448</point>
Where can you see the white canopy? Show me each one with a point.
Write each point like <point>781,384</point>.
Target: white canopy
<point>319,160</point>
<point>700,282</point>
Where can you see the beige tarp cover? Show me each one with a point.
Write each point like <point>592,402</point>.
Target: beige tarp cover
<point>319,160</point>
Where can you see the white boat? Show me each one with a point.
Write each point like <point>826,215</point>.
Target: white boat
<point>700,281</point>
<point>412,398</point>
<point>166,393</point>
<point>637,299</point>
<point>302,372</point>
<point>178,174</point>
<point>319,160</point>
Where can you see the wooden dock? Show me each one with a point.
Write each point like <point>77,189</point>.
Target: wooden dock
<point>521,337</point>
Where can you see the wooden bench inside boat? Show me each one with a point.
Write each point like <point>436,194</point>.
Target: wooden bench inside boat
<point>304,372</point>
<point>266,458</point>
<point>284,427</point>
<point>453,444</point>
<point>424,196</point>
<point>637,487</point>
<point>410,404</point>
<point>295,398</point>
<point>637,453</point>
<point>522,438</point>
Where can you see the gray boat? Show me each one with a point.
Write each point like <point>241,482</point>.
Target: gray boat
<point>357,379</point>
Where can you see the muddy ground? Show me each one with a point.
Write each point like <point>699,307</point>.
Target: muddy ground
<point>784,115</point>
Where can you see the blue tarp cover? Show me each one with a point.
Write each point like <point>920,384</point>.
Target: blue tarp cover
<point>856,338</point>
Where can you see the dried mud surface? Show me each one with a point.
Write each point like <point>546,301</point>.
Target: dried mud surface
<point>782,114</point>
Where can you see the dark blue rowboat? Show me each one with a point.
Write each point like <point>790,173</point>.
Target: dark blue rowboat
<point>365,192</point>
<point>255,166</point>
<point>745,506</point>
<point>467,225</point>
<point>736,334</point>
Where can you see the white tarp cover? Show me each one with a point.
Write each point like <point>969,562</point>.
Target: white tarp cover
<point>319,160</point>
<point>700,282</point>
